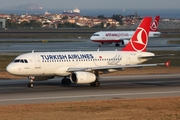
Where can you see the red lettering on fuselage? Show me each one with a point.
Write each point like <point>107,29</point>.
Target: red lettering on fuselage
<point>116,34</point>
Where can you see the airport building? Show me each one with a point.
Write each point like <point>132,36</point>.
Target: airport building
<point>2,23</point>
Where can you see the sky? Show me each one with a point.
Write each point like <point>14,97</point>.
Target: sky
<point>96,4</point>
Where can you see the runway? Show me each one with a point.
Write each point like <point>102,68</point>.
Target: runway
<point>112,87</point>
<point>79,45</point>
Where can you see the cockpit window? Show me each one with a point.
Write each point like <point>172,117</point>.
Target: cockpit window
<point>96,35</point>
<point>16,61</point>
<point>25,61</point>
<point>20,61</point>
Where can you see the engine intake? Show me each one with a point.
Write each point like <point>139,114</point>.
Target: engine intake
<point>125,42</point>
<point>82,77</point>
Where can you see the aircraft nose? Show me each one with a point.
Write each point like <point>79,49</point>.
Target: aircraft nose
<point>92,38</point>
<point>11,69</point>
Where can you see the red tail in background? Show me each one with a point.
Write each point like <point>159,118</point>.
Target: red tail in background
<point>155,23</point>
<point>139,40</point>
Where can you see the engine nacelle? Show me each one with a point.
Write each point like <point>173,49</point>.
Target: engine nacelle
<point>125,42</point>
<point>40,78</point>
<point>82,77</point>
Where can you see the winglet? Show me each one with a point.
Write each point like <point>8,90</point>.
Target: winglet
<point>167,63</point>
<point>139,40</point>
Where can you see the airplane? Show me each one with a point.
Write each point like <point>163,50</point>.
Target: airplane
<point>123,37</point>
<point>84,67</point>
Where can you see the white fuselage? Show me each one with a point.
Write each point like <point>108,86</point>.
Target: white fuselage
<point>58,63</point>
<point>117,36</point>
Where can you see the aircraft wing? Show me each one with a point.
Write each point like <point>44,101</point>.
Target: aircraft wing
<point>118,67</point>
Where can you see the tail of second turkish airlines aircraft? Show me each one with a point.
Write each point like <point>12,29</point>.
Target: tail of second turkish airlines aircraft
<point>155,23</point>
<point>139,40</point>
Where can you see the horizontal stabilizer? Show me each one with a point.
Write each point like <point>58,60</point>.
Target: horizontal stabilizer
<point>156,56</point>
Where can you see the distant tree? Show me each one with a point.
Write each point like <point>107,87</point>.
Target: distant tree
<point>24,24</point>
<point>64,17</point>
<point>14,25</point>
<point>68,25</point>
<point>101,17</point>
<point>8,23</point>
<point>117,18</point>
<point>108,24</point>
<point>102,25</point>
<point>35,24</point>
<point>59,25</point>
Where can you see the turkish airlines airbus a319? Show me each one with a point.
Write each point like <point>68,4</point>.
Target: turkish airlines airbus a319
<point>84,67</point>
<point>123,37</point>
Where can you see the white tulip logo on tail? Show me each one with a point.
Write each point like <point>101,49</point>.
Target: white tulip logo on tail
<point>139,43</point>
<point>154,25</point>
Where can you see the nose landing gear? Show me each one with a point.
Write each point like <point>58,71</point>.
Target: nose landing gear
<point>30,84</point>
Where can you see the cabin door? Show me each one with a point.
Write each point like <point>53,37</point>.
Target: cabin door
<point>37,61</point>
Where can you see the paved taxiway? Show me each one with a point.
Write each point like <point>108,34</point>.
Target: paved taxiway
<point>82,45</point>
<point>112,87</point>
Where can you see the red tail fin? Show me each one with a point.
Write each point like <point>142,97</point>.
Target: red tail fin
<point>139,40</point>
<point>155,23</point>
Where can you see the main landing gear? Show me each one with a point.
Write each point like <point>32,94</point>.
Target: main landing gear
<point>100,44</point>
<point>117,44</point>
<point>96,83</point>
<point>30,84</point>
<point>65,81</point>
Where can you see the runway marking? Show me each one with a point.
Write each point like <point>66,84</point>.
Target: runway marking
<point>84,96</point>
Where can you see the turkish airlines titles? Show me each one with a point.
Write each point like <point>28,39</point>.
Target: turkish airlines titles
<point>69,56</point>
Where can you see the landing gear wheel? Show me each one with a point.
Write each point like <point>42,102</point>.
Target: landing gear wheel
<point>100,44</point>
<point>31,85</point>
<point>91,84</point>
<point>66,81</point>
<point>117,44</point>
<point>95,83</point>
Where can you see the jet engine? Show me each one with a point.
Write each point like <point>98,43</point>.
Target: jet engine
<point>82,77</point>
<point>125,42</point>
